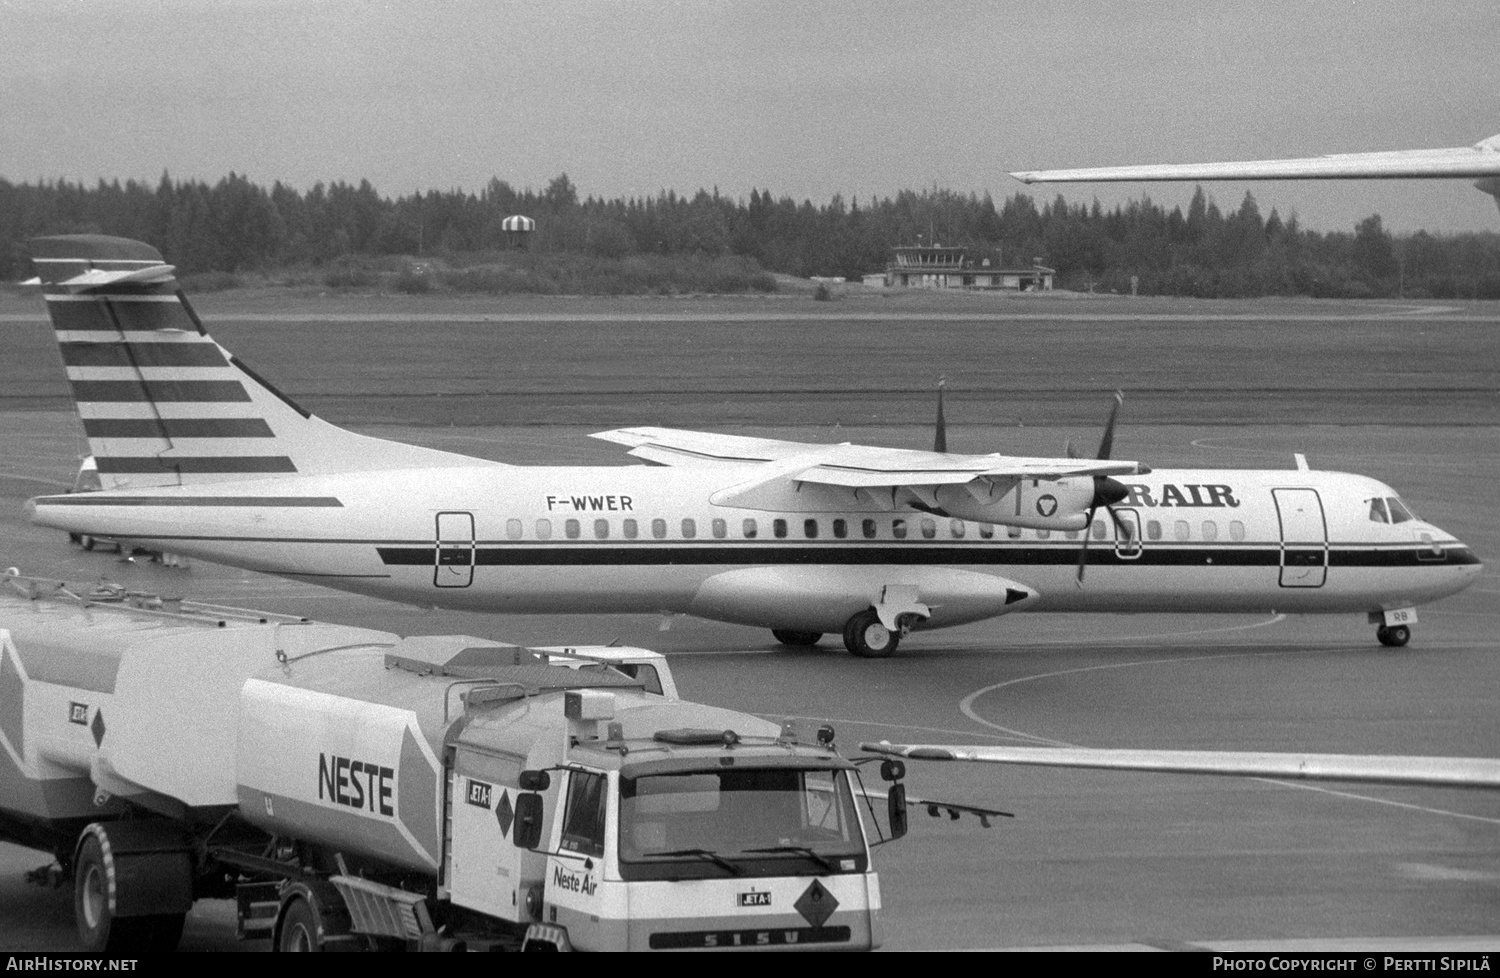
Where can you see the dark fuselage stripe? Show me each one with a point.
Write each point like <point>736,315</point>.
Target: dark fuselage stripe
<point>187,464</point>
<point>84,499</point>
<point>177,428</point>
<point>855,553</point>
<point>175,391</point>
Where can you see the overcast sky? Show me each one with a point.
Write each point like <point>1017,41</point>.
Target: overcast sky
<point>805,99</point>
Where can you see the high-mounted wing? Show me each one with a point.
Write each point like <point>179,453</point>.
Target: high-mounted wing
<point>1475,162</point>
<point>848,465</point>
<point>1053,493</point>
<point>675,446</point>
<point>1458,772</point>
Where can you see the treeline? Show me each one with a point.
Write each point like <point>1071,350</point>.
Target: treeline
<point>237,226</point>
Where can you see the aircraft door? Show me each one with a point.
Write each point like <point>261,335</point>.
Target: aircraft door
<point>1128,549</point>
<point>453,562</point>
<point>1304,537</point>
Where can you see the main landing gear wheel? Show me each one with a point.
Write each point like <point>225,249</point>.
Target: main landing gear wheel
<point>1393,635</point>
<point>867,638</point>
<point>796,639</point>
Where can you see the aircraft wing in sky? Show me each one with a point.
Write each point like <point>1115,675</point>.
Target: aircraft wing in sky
<point>1476,162</point>
<point>1459,772</point>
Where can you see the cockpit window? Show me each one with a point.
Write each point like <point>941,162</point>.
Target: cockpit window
<point>1377,511</point>
<point>1399,512</point>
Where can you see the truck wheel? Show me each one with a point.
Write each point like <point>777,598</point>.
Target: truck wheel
<point>795,639</point>
<point>98,928</point>
<point>867,638</point>
<point>85,541</point>
<point>299,928</point>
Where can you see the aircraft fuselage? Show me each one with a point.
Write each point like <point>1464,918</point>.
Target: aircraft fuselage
<point>651,539</point>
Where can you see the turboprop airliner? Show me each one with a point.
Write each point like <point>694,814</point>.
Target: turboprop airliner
<point>198,455</point>
<point>1480,163</point>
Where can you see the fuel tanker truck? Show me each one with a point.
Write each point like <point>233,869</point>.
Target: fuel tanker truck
<point>354,789</point>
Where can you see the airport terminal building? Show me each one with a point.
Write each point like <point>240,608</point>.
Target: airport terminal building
<point>937,267</point>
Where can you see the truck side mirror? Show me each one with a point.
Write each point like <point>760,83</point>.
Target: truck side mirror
<point>895,809</point>
<point>528,826</point>
<point>534,780</point>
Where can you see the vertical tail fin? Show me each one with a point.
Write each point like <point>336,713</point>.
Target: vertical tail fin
<point>162,404</point>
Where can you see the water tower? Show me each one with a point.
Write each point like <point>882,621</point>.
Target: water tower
<point>517,230</point>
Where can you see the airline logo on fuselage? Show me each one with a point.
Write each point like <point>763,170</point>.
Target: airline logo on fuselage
<point>1185,495</point>
<point>591,504</point>
<point>356,784</point>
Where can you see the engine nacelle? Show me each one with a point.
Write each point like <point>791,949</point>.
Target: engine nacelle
<point>1059,504</point>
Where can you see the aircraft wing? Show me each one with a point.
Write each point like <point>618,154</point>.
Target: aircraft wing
<point>1460,772</point>
<point>859,466</point>
<point>851,466</point>
<point>675,446</point>
<point>1481,160</point>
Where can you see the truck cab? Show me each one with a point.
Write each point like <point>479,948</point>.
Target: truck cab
<point>642,836</point>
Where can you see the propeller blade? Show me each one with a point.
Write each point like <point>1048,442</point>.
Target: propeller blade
<point>1120,525</point>
<point>940,432</point>
<point>1107,443</point>
<point>1083,551</point>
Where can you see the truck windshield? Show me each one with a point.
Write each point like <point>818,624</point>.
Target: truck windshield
<point>781,821</point>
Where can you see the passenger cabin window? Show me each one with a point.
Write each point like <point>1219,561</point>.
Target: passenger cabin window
<point>986,531</point>
<point>956,527</point>
<point>810,529</point>
<point>689,529</point>
<point>1181,530</point>
<point>1044,534</point>
<point>840,528</point>
<point>659,529</point>
<point>583,823</point>
<point>720,529</point>
<point>929,528</point>
<point>778,527</point>
<point>601,529</point>
<point>751,529</point>
<point>898,529</point>
<point>1377,511</point>
<point>1098,532</point>
<point>632,529</point>
<point>1153,529</point>
<point>544,529</point>
<point>1236,531</point>
<point>1210,530</point>
<point>570,529</point>
<point>1014,532</point>
<point>869,529</point>
<point>513,529</point>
